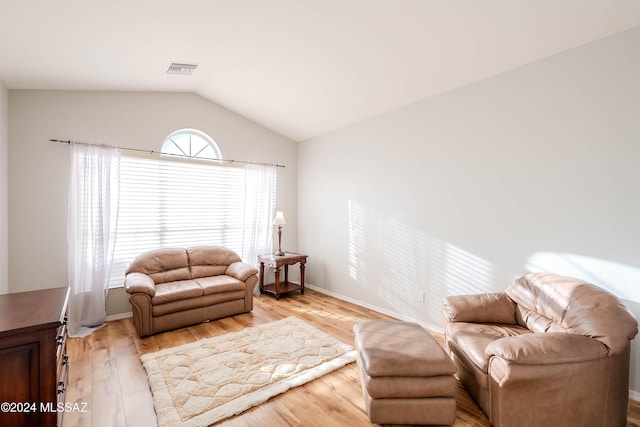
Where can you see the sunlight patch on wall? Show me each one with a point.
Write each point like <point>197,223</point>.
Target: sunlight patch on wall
<point>399,261</point>
<point>357,243</point>
<point>620,279</point>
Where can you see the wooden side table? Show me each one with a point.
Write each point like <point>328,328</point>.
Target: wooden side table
<point>280,288</point>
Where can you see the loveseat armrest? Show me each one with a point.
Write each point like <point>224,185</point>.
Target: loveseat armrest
<point>241,270</point>
<point>480,308</point>
<point>139,283</point>
<point>546,348</point>
<point>534,378</point>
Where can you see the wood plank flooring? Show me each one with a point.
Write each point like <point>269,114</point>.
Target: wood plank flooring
<point>106,373</point>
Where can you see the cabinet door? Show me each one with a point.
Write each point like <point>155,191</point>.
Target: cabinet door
<point>20,388</point>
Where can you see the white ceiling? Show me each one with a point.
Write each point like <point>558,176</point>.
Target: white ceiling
<point>299,67</point>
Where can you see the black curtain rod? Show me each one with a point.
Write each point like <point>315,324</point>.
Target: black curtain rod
<point>152,152</point>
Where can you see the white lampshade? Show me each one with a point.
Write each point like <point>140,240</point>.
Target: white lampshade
<point>279,219</point>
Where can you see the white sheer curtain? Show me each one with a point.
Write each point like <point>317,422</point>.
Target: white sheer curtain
<point>91,232</point>
<point>260,206</point>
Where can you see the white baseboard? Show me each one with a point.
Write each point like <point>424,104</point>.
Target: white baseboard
<point>119,316</point>
<point>399,316</point>
<point>634,395</point>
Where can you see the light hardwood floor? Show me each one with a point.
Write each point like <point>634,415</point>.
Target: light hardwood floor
<point>106,372</point>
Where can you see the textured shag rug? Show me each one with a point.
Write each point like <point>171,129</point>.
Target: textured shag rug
<point>201,383</point>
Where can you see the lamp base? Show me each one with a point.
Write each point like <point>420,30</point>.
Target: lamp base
<point>279,251</point>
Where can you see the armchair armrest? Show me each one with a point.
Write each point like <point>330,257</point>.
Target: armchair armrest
<point>546,348</point>
<point>241,270</point>
<point>535,377</point>
<point>480,308</point>
<point>139,283</point>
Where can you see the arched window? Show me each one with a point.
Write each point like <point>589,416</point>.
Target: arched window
<point>191,143</point>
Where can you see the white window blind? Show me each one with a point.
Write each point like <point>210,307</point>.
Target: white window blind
<point>168,203</point>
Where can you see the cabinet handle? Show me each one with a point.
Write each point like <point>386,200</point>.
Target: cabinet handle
<point>61,387</point>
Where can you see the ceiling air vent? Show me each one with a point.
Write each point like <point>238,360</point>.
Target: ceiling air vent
<point>184,69</point>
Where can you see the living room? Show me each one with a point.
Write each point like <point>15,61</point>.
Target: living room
<point>505,171</point>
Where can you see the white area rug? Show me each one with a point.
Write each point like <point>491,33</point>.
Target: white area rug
<point>201,383</point>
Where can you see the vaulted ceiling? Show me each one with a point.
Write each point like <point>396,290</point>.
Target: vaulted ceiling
<point>299,67</point>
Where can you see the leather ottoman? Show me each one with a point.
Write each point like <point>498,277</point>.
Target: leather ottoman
<point>406,377</point>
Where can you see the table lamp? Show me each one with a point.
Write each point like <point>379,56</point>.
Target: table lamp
<point>279,221</point>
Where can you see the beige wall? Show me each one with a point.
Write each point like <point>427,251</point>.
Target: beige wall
<point>39,170</point>
<point>4,189</point>
<point>534,169</point>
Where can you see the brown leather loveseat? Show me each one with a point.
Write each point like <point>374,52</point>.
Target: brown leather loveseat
<point>548,351</point>
<point>174,287</point>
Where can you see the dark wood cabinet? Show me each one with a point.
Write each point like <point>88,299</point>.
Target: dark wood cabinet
<point>33,361</point>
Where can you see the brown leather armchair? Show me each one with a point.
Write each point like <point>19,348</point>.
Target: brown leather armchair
<point>548,351</point>
<point>174,287</point>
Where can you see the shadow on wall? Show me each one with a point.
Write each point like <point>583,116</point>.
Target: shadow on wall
<point>410,271</point>
<point>402,264</point>
<point>619,279</point>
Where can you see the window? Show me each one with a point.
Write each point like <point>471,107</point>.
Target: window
<point>170,202</point>
<point>191,143</point>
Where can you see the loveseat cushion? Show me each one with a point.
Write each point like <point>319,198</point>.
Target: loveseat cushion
<point>162,265</point>
<point>191,303</point>
<point>577,306</point>
<point>474,338</point>
<point>218,284</point>
<point>535,321</point>
<point>210,260</point>
<point>178,290</point>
